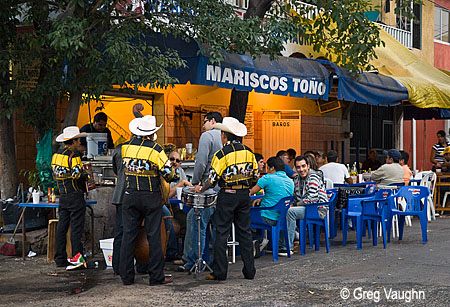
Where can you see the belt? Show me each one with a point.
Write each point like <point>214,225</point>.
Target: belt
<point>238,187</point>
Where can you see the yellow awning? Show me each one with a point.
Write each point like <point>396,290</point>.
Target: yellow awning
<point>427,86</point>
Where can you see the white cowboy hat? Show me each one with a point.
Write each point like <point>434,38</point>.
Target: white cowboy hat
<point>71,132</point>
<point>232,125</point>
<point>144,126</point>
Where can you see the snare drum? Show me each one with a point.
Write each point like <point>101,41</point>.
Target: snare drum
<point>205,199</point>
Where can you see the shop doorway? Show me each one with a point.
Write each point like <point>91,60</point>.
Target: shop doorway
<point>281,130</point>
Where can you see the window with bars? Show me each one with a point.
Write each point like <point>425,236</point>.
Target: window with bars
<point>441,24</point>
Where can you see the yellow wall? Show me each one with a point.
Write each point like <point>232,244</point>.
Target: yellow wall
<point>197,95</point>
<point>427,51</point>
<point>427,28</point>
<point>118,110</point>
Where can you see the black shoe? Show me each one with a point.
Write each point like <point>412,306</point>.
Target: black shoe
<point>182,268</point>
<point>172,258</point>
<point>127,283</point>
<point>167,280</point>
<point>256,249</point>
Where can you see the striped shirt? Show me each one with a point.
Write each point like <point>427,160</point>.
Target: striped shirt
<point>144,162</point>
<point>233,165</point>
<point>68,170</point>
<point>310,189</point>
<point>439,149</point>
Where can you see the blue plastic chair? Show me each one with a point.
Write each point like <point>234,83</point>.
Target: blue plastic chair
<point>370,188</point>
<point>256,222</point>
<point>312,218</point>
<point>354,210</point>
<point>374,211</point>
<point>416,198</point>
<point>332,214</point>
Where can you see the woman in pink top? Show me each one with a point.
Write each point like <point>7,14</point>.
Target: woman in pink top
<point>404,163</point>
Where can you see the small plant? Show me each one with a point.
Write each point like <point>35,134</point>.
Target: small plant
<point>33,178</point>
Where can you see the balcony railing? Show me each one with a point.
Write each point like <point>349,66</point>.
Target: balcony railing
<point>403,36</point>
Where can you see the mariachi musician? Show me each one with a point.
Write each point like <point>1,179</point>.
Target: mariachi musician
<point>235,169</point>
<point>70,178</point>
<point>144,163</point>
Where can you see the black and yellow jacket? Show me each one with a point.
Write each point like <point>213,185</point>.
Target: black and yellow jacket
<point>144,162</point>
<point>68,171</point>
<point>234,166</point>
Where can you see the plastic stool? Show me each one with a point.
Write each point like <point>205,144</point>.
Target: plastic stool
<point>444,202</point>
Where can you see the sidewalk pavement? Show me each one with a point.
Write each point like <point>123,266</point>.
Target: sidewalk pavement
<point>407,271</point>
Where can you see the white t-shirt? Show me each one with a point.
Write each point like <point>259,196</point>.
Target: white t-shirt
<point>336,172</point>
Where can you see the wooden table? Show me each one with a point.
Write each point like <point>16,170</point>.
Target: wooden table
<point>89,203</point>
<point>441,181</point>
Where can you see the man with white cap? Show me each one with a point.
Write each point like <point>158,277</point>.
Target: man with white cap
<point>70,176</point>
<point>144,162</point>
<point>235,169</point>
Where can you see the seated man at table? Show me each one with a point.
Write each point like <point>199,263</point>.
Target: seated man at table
<point>276,185</point>
<point>309,188</point>
<point>371,164</point>
<point>391,172</point>
<point>334,170</point>
<point>404,163</point>
<point>284,156</point>
<point>175,160</point>
<point>178,215</point>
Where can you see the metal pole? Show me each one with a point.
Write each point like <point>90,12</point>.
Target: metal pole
<point>357,155</point>
<point>413,136</point>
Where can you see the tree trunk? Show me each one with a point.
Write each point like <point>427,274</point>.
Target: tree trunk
<point>73,109</point>
<point>8,166</point>
<point>238,104</point>
<point>258,8</point>
<point>239,99</point>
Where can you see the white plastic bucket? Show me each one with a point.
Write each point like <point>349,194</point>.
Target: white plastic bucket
<point>107,247</point>
<point>96,144</point>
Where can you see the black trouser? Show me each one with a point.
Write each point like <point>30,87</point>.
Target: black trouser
<point>72,209</point>
<point>137,206</point>
<point>233,206</point>
<point>118,233</point>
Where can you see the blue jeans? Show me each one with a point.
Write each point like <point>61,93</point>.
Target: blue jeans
<point>294,214</point>
<point>281,243</point>
<point>191,254</point>
<point>172,245</point>
<point>188,235</point>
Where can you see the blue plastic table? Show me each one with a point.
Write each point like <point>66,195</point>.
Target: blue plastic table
<point>89,203</point>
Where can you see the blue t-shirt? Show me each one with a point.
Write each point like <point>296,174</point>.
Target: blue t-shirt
<point>276,186</point>
<point>288,170</point>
